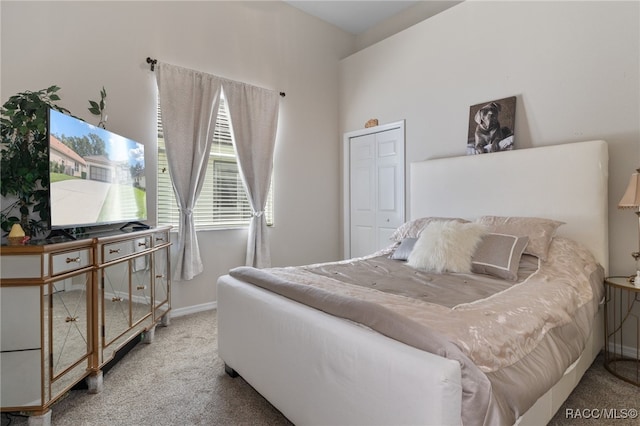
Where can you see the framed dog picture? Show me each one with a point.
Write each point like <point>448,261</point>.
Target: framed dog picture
<point>491,126</point>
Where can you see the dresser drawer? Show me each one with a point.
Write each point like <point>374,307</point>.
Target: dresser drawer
<point>70,261</point>
<point>23,266</point>
<point>160,238</point>
<point>115,251</point>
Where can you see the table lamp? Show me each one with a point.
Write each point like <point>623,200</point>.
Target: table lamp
<point>631,199</point>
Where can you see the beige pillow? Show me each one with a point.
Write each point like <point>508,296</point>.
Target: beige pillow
<point>446,246</point>
<point>539,230</point>
<point>499,255</point>
<point>412,228</point>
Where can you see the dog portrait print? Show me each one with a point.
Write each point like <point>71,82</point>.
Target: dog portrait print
<point>491,126</point>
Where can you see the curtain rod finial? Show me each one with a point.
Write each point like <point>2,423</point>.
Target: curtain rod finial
<point>153,63</point>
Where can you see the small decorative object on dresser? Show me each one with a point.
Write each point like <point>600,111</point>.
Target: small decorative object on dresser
<point>16,235</point>
<point>621,329</point>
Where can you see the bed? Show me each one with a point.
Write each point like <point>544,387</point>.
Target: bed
<point>319,368</point>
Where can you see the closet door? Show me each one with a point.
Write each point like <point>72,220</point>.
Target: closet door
<point>362,201</point>
<point>374,187</point>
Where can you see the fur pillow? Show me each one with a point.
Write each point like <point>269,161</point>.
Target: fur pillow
<point>446,246</point>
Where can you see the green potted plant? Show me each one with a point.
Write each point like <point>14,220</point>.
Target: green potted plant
<point>24,157</point>
<point>24,161</point>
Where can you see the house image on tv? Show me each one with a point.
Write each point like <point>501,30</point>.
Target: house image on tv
<point>102,169</point>
<point>92,167</point>
<point>67,160</point>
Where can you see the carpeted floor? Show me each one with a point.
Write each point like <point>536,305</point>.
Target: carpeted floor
<point>179,380</point>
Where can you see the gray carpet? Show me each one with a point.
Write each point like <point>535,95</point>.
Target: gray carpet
<point>179,380</point>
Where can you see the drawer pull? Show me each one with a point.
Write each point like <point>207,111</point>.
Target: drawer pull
<point>116,299</point>
<point>111,251</point>
<point>73,259</point>
<point>141,287</point>
<point>142,244</point>
<point>159,239</point>
<point>159,276</point>
<point>71,319</point>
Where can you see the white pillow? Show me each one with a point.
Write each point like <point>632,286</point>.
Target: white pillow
<point>446,247</point>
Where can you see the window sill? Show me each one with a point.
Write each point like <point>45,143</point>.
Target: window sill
<point>174,228</point>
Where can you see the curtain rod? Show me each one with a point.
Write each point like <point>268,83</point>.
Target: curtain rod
<point>153,62</point>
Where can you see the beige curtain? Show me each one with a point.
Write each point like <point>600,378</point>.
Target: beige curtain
<point>189,107</point>
<point>254,121</point>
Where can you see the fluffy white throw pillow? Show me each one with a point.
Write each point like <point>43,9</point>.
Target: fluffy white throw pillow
<point>446,247</point>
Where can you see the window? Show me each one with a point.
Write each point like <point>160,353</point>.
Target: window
<point>223,201</point>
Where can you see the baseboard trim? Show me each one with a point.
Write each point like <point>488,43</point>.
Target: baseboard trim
<point>627,351</point>
<point>188,310</point>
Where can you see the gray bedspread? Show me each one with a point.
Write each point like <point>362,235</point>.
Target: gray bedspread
<point>513,340</point>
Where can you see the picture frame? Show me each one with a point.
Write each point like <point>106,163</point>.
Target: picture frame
<point>491,126</point>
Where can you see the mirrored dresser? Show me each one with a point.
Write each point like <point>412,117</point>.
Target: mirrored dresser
<point>67,308</point>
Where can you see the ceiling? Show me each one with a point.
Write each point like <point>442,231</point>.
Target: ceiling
<point>358,16</point>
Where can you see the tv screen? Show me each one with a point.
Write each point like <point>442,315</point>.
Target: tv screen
<point>96,177</point>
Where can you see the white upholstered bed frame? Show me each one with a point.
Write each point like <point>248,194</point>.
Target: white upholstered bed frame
<point>322,370</point>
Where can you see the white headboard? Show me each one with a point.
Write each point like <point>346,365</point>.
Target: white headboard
<point>563,182</point>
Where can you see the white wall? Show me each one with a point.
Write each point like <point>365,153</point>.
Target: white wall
<point>574,67</point>
<point>83,46</point>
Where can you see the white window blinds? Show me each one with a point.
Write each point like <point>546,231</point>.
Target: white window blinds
<point>223,201</point>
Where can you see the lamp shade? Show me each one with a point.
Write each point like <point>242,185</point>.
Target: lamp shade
<point>631,197</point>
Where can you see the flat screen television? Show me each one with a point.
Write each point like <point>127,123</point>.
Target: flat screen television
<point>96,177</point>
